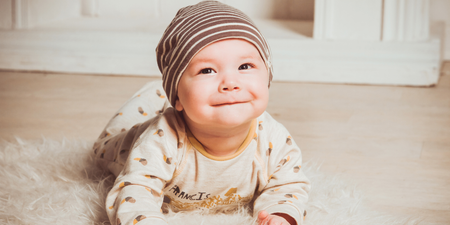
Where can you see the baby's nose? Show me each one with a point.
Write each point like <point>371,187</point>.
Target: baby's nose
<point>230,82</point>
<point>230,87</point>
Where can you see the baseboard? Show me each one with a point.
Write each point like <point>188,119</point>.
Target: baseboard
<point>385,63</point>
<point>296,56</point>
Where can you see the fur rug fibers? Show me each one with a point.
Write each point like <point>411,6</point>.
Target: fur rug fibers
<point>56,182</point>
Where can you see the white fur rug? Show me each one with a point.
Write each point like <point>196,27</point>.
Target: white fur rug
<point>55,182</point>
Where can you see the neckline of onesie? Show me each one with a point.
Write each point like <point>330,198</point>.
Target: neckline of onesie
<point>197,145</point>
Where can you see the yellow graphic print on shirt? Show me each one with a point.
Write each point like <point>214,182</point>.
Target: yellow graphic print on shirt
<point>230,198</point>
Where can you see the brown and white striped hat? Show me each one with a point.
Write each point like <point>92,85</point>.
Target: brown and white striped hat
<point>196,26</point>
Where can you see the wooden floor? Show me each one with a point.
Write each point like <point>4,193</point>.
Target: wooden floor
<point>393,141</point>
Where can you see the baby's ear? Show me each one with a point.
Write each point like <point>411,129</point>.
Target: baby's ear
<point>178,105</point>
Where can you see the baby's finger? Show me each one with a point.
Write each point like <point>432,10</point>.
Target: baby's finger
<point>262,215</point>
<point>277,220</point>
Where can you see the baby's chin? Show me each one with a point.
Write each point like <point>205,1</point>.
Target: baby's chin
<point>232,125</point>
<point>234,118</point>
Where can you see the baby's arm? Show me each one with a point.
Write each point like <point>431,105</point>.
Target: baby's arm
<point>286,193</point>
<point>137,196</point>
<point>145,104</point>
<point>113,145</point>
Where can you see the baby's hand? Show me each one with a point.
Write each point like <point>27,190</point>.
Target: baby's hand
<point>265,219</point>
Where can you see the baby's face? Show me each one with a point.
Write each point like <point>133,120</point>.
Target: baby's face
<point>224,85</point>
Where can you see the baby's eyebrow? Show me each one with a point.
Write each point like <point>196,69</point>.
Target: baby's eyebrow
<point>249,56</point>
<point>203,60</point>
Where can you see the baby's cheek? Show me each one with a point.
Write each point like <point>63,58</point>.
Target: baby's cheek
<point>263,98</point>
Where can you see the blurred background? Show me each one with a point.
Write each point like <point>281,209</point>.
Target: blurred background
<point>400,42</point>
<point>363,86</point>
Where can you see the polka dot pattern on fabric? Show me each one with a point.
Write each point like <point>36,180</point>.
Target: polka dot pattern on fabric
<point>129,199</point>
<point>269,151</point>
<point>159,132</point>
<point>289,140</point>
<point>124,184</point>
<point>141,111</point>
<point>158,92</point>
<point>167,160</point>
<point>138,219</point>
<point>142,161</point>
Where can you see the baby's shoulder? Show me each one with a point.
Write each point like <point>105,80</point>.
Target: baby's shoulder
<point>271,131</point>
<point>163,133</point>
<point>169,125</point>
<point>269,124</point>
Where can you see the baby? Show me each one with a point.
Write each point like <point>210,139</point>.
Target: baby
<point>216,148</point>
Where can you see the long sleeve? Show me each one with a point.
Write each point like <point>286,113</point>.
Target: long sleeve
<point>286,190</point>
<point>137,195</point>
<point>112,146</point>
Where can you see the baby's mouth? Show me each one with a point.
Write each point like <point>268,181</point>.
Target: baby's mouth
<point>230,103</point>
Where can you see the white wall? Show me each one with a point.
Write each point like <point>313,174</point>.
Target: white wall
<point>23,14</point>
<point>366,27</point>
<point>301,9</point>
<point>35,12</point>
<point>44,11</point>
<point>168,8</point>
<point>5,14</point>
<point>440,11</point>
<point>128,8</point>
<point>273,9</point>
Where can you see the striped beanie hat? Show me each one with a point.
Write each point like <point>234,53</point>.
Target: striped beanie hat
<point>196,26</point>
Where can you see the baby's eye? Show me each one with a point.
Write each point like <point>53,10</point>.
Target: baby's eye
<point>206,71</point>
<point>245,66</point>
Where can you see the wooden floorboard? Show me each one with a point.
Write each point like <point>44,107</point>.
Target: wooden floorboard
<point>393,142</point>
